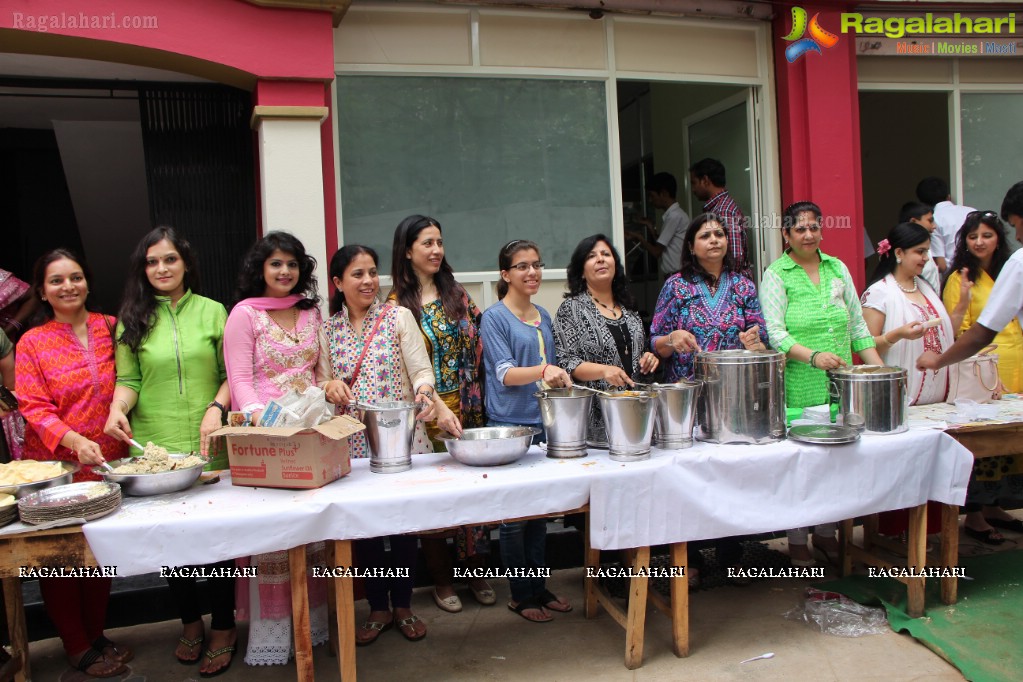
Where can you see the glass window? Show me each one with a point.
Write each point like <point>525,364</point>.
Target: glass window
<point>492,159</point>
<point>992,138</point>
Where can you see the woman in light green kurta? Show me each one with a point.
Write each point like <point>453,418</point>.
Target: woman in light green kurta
<point>171,390</point>
<point>813,315</point>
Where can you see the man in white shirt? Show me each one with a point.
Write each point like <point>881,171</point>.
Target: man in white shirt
<point>1004,303</point>
<point>661,191</point>
<point>923,215</point>
<point>948,217</point>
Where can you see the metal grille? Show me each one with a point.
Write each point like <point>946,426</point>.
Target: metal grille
<point>199,168</point>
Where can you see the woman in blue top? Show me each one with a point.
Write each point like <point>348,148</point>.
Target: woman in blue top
<point>518,346</point>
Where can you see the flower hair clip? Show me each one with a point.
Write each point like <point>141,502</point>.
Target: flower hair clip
<point>883,247</point>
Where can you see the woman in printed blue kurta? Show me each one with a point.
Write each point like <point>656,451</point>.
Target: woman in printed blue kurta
<point>707,305</point>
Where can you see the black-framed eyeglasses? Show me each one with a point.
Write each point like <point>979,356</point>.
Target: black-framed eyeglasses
<point>525,267</point>
<point>983,214</point>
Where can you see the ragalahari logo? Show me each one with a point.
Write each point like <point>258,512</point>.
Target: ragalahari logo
<point>818,36</point>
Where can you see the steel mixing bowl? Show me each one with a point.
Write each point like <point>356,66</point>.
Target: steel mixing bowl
<point>141,485</point>
<point>21,490</point>
<point>491,445</point>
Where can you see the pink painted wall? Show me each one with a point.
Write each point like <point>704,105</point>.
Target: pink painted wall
<point>268,43</point>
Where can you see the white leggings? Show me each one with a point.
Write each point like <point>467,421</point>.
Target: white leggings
<point>798,536</point>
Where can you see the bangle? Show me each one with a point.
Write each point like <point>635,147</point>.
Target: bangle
<point>428,393</point>
<point>543,370</point>
<point>74,444</point>
<point>813,358</point>
<point>125,404</point>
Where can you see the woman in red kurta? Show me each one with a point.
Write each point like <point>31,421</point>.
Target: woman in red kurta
<point>64,373</point>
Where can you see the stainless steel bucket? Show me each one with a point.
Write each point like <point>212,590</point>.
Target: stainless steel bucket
<point>675,414</point>
<point>872,399</point>
<point>629,421</point>
<point>390,427</point>
<point>743,396</point>
<point>565,414</point>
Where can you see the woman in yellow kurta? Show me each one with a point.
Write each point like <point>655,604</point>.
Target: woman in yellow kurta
<point>981,251</point>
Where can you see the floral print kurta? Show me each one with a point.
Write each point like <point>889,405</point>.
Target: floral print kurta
<point>394,367</point>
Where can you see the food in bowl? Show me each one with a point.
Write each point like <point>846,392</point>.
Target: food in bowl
<point>156,460</point>
<point>29,471</point>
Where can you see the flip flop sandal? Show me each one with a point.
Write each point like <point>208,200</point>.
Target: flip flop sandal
<point>191,643</point>
<point>410,622</point>
<point>527,605</point>
<point>102,644</point>
<point>91,657</point>
<point>219,652</point>
<point>547,598</point>
<point>373,625</point>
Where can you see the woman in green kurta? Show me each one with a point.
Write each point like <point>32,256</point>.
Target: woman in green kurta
<point>172,382</point>
<point>813,315</point>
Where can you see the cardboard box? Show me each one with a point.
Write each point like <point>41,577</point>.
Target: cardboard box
<point>290,457</point>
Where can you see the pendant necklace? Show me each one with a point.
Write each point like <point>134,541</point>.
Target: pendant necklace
<point>614,315</point>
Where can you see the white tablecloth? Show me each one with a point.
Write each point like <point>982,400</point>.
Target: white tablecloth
<point>222,521</point>
<point>704,492</point>
<point>713,491</point>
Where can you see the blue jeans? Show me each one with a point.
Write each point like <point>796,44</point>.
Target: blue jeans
<point>524,544</point>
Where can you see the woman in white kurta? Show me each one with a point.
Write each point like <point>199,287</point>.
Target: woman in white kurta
<point>905,315</point>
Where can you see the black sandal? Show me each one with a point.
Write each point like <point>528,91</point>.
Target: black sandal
<point>526,605</point>
<point>1015,525</point>
<point>988,537</point>
<point>93,656</point>
<point>546,598</point>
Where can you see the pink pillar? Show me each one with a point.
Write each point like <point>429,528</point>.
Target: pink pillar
<point>819,134</point>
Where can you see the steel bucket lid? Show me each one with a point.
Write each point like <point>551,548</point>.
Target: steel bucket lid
<point>867,373</point>
<point>739,357</point>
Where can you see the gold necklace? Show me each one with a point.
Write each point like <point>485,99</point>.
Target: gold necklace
<point>290,335</point>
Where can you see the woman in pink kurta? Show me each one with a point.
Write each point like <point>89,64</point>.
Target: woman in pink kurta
<point>271,345</point>
<point>64,378</point>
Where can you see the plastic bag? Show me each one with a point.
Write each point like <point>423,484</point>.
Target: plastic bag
<point>835,614</point>
<point>308,408</point>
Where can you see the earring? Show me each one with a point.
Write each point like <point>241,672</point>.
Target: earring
<point>898,261</point>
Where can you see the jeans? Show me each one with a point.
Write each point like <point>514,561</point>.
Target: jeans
<point>524,544</point>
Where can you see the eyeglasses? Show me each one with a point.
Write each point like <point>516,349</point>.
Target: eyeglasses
<point>525,267</point>
<point>982,214</point>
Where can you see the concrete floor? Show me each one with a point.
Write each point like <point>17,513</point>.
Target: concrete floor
<point>727,624</point>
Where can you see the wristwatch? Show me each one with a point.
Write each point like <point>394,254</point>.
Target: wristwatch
<point>214,403</point>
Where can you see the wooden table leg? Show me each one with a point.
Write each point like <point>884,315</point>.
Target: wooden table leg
<point>300,614</point>
<point>916,559</point>
<point>636,619</point>
<point>845,538</point>
<point>680,600</point>
<point>949,551</point>
<point>591,560</point>
<point>15,606</point>
<point>345,596</point>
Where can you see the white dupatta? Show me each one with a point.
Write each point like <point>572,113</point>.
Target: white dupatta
<point>885,296</point>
